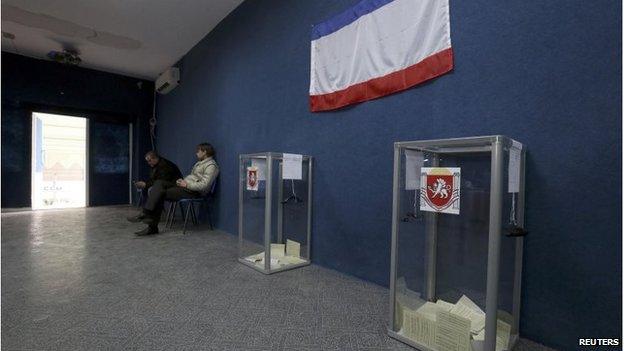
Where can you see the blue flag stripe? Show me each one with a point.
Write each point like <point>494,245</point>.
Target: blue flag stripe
<point>347,17</point>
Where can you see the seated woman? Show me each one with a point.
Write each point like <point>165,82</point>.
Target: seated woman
<point>194,185</point>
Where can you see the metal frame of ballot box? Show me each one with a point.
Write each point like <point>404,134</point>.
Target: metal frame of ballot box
<point>498,147</point>
<point>269,200</point>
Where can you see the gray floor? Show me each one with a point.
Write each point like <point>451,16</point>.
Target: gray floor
<point>80,280</point>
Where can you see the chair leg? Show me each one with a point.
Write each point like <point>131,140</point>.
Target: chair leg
<point>193,214</point>
<point>173,213</point>
<point>209,214</point>
<point>186,217</point>
<point>168,215</point>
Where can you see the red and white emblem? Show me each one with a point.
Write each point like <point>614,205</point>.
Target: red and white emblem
<point>439,190</point>
<point>252,178</point>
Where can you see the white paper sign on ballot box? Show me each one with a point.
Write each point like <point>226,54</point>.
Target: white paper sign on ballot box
<point>515,158</point>
<point>292,167</point>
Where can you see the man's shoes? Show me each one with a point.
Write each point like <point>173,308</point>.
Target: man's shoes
<point>149,220</point>
<point>136,219</point>
<point>147,231</point>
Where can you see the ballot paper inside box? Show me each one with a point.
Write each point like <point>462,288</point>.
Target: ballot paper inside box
<point>458,210</point>
<point>275,207</point>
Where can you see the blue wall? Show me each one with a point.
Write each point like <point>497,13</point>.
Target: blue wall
<point>30,84</point>
<point>545,73</point>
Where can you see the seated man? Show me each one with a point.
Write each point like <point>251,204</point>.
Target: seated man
<point>162,169</point>
<point>194,185</point>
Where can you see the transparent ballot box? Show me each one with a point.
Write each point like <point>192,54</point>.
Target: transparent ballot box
<point>274,211</point>
<point>457,238</point>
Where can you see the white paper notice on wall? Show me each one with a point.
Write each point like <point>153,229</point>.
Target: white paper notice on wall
<point>260,165</point>
<point>413,162</point>
<point>292,166</point>
<point>515,152</point>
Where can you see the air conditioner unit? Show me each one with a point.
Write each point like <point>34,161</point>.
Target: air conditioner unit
<point>168,80</point>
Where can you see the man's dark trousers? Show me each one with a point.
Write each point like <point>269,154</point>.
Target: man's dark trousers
<point>164,190</point>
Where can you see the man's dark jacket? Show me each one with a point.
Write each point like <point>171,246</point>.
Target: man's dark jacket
<point>164,170</point>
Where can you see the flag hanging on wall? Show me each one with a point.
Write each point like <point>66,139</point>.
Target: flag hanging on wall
<point>376,48</point>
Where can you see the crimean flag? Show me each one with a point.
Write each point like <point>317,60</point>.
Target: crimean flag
<point>376,48</point>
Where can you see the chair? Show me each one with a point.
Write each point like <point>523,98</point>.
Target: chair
<point>190,209</point>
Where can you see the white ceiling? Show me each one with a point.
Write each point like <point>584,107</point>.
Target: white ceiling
<point>138,38</point>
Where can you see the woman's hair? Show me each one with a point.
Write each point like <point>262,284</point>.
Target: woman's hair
<point>207,148</point>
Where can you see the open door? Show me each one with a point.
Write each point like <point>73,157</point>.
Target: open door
<point>58,161</point>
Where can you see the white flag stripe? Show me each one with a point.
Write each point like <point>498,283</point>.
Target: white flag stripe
<point>389,39</point>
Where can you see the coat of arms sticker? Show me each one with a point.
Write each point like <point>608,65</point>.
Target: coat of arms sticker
<point>252,178</point>
<point>440,189</point>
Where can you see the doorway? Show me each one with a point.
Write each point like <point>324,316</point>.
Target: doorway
<point>59,161</point>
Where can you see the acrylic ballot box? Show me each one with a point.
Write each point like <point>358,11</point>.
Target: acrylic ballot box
<point>274,211</point>
<point>457,238</point>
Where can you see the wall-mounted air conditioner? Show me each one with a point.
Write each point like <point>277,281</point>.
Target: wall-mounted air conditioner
<point>168,80</point>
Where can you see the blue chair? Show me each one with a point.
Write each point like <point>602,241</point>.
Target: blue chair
<point>190,210</point>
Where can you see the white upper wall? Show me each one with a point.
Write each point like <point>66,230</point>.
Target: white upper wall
<point>139,38</point>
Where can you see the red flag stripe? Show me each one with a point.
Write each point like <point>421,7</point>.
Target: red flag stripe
<point>429,68</point>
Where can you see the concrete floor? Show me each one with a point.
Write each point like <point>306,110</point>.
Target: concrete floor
<point>80,280</point>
